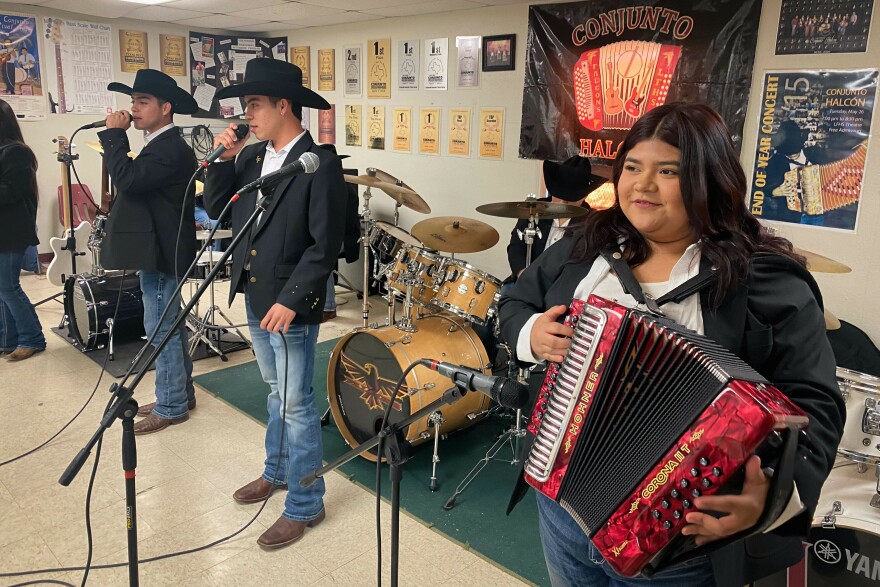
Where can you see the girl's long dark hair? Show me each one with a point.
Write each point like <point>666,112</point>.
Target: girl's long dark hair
<point>713,187</point>
<point>10,133</point>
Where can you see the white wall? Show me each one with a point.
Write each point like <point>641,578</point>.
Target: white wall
<point>455,186</point>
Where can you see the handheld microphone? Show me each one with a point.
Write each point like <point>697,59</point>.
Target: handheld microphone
<point>102,123</point>
<point>241,131</point>
<point>507,392</point>
<point>307,163</point>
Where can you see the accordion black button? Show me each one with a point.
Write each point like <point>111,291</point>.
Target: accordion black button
<point>657,515</point>
<point>695,472</point>
<point>676,514</point>
<point>675,493</point>
<point>716,471</point>
<point>665,504</point>
<point>704,461</point>
<point>539,415</point>
<point>684,483</point>
<point>706,482</point>
<point>667,524</point>
<point>685,503</point>
<point>696,492</point>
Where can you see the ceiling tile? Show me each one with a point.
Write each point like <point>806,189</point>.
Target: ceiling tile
<point>425,8</point>
<point>220,21</point>
<point>105,8</point>
<point>221,6</point>
<point>331,19</point>
<point>290,11</point>
<point>261,28</point>
<point>350,5</point>
<point>31,2</point>
<point>164,13</point>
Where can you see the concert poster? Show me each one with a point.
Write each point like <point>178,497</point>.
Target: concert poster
<point>326,70</point>
<point>594,68</point>
<point>171,54</point>
<point>491,133</point>
<point>812,146</point>
<point>133,52</point>
<point>459,132</point>
<point>376,127</point>
<point>21,64</point>
<point>402,130</point>
<point>408,65</point>
<point>436,64</point>
<point>379,68</point>
<point>823,26</point>
<point>353,125</point>
<point>352,70</point>
<point>299,56</point>
<point>327,125</point>
<point>468,61</point>
<point>219,60</point>
<point>429,131</point>
<point>78,66</point>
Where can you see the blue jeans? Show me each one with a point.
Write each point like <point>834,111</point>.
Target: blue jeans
<point>174,384</point>
<point>330,302</point>
<point>573,561</point>
<point>19,325</point>
<point>303,447</point>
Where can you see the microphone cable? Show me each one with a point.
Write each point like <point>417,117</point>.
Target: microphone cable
<point>89,566</point>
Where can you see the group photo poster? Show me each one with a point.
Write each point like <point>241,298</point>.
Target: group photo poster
<point>593,68</point>
<point>218,61</point>
<point>823,26</point>
<point>811,147</point>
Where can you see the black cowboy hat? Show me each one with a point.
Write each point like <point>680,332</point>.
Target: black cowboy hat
<point>276,78</point>
<point>572,179</point>
<point>161,85</point>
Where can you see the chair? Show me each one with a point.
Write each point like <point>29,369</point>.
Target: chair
<point>83,208</point>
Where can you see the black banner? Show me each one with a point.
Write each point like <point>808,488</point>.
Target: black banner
<point>593,68</point>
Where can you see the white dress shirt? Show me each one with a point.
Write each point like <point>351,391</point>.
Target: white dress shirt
<point>273,160</point>
<point>152,135</point>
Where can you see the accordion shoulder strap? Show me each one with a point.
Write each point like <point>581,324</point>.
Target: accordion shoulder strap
<point>631,284</point>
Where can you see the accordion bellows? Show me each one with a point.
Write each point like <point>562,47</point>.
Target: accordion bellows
<point>616,84</point>
<point>640,418</point>
<point>816,189</point>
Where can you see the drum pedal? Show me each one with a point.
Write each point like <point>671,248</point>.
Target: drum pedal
<point>829,521</point>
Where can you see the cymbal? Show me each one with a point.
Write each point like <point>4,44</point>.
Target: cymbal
<point>820,264</point>
<point>454,234</point>
<point>388,178</point>
<point>402,195</point>
<point>96,145</point>
<point>523,209</point>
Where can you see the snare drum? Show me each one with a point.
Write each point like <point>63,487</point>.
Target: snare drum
<point>387,240</point>
<point>365,365</point>
<point>861,433</point>
<point>206,261</point>
<point>467,292</point>
<point>418,266</point>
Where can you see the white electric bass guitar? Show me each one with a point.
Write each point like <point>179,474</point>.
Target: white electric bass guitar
<point>61,266</point>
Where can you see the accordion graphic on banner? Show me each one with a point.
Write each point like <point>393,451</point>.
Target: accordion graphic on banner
<point>640,418</point>
<point>816,189</point>
<point>616,84</point>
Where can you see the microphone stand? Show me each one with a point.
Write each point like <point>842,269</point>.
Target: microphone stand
<point>124,407</point>
<point>397,452</point>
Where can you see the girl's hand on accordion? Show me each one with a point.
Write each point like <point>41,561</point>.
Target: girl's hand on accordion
<point>741,512</point>
<point>550,339</point>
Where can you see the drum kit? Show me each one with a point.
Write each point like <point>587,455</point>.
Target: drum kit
<point>436,306</point>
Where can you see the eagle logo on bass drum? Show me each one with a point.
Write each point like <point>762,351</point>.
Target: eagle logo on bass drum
<point>375,390</point>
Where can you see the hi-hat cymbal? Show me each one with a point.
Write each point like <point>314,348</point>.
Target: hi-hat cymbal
<point>402,195</point>
<point>96,145</point>
<point>820,264</point>
<point>388,178</point>
<point>453,234</point>
<point>525,208</point>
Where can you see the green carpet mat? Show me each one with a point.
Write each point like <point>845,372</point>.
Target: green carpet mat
<point>477,520</point>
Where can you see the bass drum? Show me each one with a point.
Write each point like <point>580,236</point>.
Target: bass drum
<point>90,302</point>
<point>365,366</point>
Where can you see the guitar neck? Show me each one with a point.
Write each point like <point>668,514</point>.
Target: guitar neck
<point>65,196</point>
<point>62,104</point>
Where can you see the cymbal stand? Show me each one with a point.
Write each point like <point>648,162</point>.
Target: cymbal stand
<point>406,323</point>
<point>365,241</point>
<point>396,213</point>
<point>513,435</point>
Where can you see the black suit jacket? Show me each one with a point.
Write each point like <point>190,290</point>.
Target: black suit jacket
<point>516,249</point>
<point>18,197</point>
<point>142,228</point>
<point>774,322</point>
<point>298,239</point>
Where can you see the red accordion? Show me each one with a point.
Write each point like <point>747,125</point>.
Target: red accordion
<point>642,416</point>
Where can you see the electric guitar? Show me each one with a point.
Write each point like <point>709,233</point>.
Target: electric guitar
<point>61,266</point>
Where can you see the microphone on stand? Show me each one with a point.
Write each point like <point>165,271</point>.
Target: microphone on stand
<point>507,392</point>
<point>102,123</point>
<point>241,131</point>
<point>307,163</point>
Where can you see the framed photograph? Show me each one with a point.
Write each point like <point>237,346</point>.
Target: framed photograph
<point>499,53</point>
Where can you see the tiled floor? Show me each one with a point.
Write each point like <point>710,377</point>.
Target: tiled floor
<point>186,476</point>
